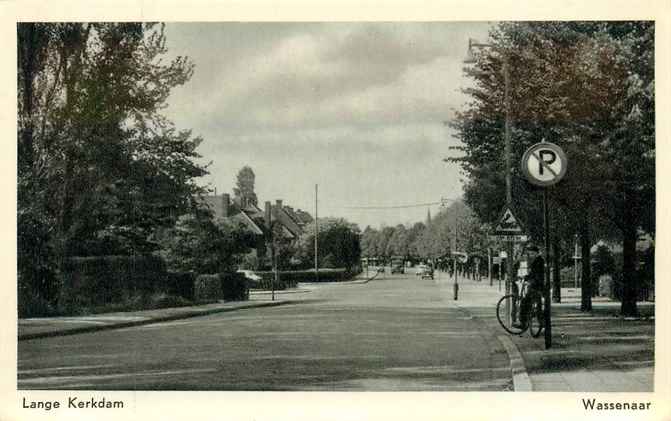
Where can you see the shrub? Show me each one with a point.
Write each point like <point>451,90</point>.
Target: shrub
<point>208,287</point>
<point>290,278</point>
<point>33,305</point>
<point>161,300</point>
<point>267,280</point>
<point>92,281</point>
<point>234,286</point>
<point>180,284</point>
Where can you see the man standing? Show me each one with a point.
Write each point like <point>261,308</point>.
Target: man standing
<point>535,280</point>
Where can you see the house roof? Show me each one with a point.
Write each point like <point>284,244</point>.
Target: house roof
<point>282,215</point>
<point>252,217</point>
<point>247,216</point>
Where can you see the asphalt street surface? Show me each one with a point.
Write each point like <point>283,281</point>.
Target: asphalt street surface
<point>397,332</point>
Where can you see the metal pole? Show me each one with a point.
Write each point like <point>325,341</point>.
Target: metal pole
<point>509,188</point>
<point>489,266</point>
<point>546,223</point>
<point>274,257</point>
<point>456,280</point>
<point>500,272</point>
<point>316,236</point>
<point>575,263</point>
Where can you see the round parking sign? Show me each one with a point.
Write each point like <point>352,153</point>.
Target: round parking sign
<point>544,164</point>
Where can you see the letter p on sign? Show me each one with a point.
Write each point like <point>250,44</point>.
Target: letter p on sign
<point>544,164</point>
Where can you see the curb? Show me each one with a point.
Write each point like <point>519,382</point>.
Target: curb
<point>171,317</point>
<point>521,380</point>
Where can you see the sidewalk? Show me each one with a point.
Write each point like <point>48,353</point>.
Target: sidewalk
<point>59,326</point>
<point>595,352</point>
<point>35,328</point>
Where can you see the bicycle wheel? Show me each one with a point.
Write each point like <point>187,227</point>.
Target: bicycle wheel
<point>506,311</point>
<point>536,316</point>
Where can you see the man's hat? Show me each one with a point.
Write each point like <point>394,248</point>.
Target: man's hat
<point>533,248</point>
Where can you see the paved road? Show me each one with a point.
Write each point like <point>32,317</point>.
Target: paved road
<point>394,333</point>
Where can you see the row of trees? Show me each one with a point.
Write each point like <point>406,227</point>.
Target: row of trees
<point>431,239</point>
<point>588,87</point>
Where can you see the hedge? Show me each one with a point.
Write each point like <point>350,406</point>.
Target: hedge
<point>226,286</point>
<point>290,278</point>
<point>207,288</point>
<point>91,281</point>
<point>234,287</point>
<point>117,283</point>
<point>180,284</point>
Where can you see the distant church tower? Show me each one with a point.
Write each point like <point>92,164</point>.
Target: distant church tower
<point>428,216</point>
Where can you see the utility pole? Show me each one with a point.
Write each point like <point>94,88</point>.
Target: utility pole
<point>509,187</point>
<point>316,234</point>
<point>455,287</point>
<point>507,148</point>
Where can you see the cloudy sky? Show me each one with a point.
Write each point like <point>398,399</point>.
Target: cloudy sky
<point>357,108</point>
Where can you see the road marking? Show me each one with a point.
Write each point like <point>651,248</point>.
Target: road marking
<point>66,379</point>
<point>73,367</point>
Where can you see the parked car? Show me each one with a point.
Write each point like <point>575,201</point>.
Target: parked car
<point>426,272</point>
<point>397,265</point>
<point>253,280</point>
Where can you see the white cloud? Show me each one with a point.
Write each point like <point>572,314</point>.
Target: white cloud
<point>356,107</point>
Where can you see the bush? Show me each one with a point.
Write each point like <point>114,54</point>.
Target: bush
<point>93,281</point>
<point>268,279</point>
<point>33,305</point>
<point>180,284</point>
<point>162,300</point>
<point>142,302</point>
<point>207,288</point>
<point>234,286</point>
<point>290,278</point>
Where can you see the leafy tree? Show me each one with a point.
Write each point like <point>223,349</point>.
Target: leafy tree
<point>338,243</point>
<point>244,186</point>
<point>100,169</point>
<point>398,244</point>
<point>367,242</point>
<point>199,244</point>
<point>589,87</point>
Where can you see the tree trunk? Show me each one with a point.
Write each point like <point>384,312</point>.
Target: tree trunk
<point>586,290</point>
<point>629,276</point>
<point>556,273</point>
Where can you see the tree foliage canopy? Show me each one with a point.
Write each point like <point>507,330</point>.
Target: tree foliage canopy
<point>100,170</point>
<point>586,86</point>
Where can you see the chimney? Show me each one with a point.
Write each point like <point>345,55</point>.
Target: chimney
<point>225,204</point>
<point>279,203</point>
<point>267,214</point>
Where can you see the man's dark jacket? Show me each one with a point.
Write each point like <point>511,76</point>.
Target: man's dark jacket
<point>537,273</point>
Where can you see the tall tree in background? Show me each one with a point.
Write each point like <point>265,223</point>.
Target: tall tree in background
<point>244,187</point>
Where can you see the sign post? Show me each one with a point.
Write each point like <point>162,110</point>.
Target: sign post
<point>544,165</point>
<point>509,229</point>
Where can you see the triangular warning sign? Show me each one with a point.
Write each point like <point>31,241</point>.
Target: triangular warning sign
<point>508,224</point>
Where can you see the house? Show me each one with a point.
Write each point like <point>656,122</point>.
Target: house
<point>242,211</point>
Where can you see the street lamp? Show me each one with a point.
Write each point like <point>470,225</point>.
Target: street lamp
<point>470,59</point>
<point>455,285</point>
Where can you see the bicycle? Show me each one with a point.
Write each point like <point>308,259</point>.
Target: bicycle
<point>512,303</point>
